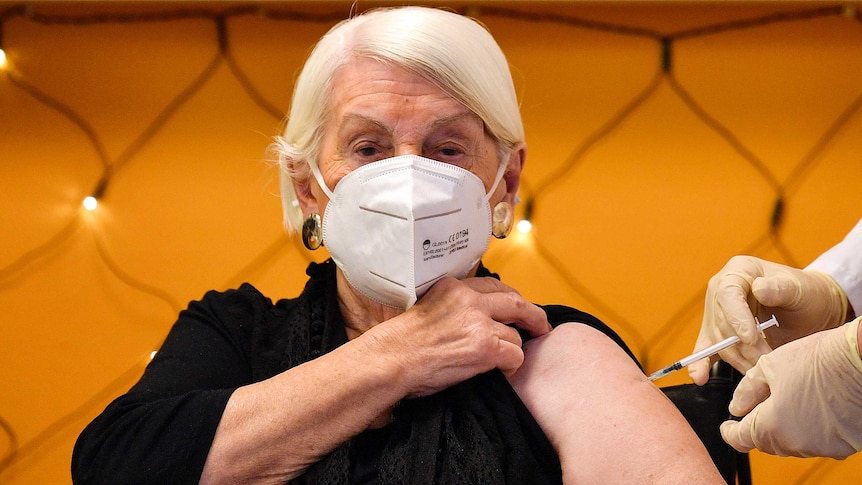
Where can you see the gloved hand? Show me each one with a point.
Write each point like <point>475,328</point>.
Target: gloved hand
<point>806,398</point>
<point>803,301</point>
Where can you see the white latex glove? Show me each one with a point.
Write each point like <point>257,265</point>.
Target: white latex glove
<point>802,399</point>
<point>803,301</point>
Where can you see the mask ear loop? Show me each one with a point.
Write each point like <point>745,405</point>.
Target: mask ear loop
<point>317,175</point>
<point>500,171</point>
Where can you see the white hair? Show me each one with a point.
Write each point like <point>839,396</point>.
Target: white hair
<point>450,50</point>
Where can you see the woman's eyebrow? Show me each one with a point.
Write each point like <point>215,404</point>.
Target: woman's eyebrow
<point>351,118</point>
<point>447,120</point>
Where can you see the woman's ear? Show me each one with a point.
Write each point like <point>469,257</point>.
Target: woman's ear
<point>512,177</point>
<point>301,180</point>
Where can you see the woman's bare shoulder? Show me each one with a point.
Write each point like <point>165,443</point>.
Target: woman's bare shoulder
<point>608,423</point>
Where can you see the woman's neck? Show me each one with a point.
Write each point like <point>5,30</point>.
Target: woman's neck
<point>360,313</point>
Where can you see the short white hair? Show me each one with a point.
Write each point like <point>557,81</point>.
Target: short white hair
<point>454,52</point>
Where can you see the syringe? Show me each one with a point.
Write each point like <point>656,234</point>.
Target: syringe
<point>707,352</point>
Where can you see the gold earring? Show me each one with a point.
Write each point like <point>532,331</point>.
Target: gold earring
<point>311,232</point>
<point>502,220</point>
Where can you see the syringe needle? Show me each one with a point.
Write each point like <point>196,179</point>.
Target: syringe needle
<point>707,352</point>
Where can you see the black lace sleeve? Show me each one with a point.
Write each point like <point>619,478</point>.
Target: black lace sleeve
<point>161,430</point>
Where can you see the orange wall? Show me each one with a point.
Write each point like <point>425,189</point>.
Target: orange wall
<point>639,195</point>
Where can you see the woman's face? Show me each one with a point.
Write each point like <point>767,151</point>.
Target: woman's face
<point>379,111</point>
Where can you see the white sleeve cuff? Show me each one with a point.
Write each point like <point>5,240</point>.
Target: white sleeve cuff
<point>843,262</point>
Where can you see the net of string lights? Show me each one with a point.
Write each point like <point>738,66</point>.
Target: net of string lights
<point>541,217</point>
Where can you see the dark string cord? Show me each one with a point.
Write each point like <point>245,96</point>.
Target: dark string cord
<point>161,16</point>
<point>64,110</point>
<point>618,320</point>
<point>664,331</point>
<point>738,147</point>
<point>567,20</point>
<point>820,146</point>
<point>722,131</point>
<point>16,268</point>
<point>591,140</point>
<point>19,453</point>
<point>13,448</point>
<point>251,90</point>
<point>131,281</point>
<point>805,164</point>
<point>167,112</point>
<point>248,86</point>
<point>272,251</point>
<point>772,18</point>
<point>269,254</point>
<point>783,250</point>
<point>691,305</point>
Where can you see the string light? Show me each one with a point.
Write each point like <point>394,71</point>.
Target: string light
<point>91,203</point>
<point>2,52</point>
<point>524,226</point>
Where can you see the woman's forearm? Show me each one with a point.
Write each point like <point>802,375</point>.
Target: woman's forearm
<point>273,430</point>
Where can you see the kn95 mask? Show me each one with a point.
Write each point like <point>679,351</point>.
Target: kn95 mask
<point>396,226</point>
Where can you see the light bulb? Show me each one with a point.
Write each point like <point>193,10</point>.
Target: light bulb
<point>524,226</point>
<point>90,203</point>
<point>2,58</point>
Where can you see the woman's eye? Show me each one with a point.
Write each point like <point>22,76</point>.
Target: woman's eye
<point>450,152</point>
<point>367,151</point>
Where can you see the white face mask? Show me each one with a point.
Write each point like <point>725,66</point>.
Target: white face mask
<point>396,226</point>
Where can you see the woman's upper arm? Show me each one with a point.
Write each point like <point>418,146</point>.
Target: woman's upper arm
<point>163,426</point>
<point>606,421</point>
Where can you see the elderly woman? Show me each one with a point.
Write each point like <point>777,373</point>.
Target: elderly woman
<point>403,360</point>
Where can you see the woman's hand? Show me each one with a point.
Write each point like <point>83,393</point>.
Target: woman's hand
<point>459,329</point>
